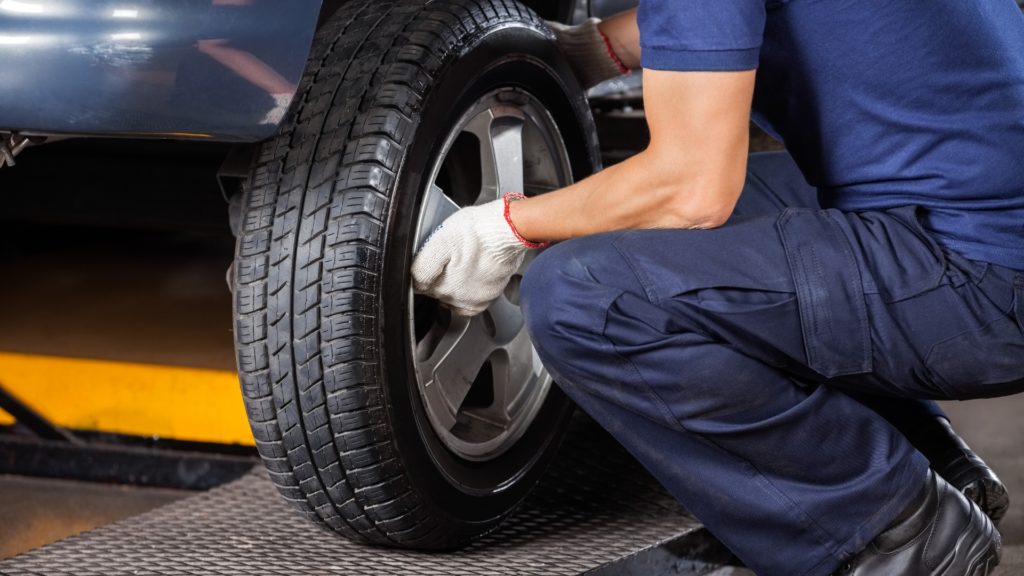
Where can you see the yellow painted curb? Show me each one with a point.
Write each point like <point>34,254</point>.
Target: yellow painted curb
<point>124,398</point>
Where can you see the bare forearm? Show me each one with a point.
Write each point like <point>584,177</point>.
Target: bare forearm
<point>689,177</point>
<point>636,194</point>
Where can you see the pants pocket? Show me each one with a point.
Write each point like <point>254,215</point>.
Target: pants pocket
<point>830,293</point>
<point>985,360</point>
<point>981,363</point>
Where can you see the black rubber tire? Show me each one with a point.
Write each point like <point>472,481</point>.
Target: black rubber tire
<point>322,266</point>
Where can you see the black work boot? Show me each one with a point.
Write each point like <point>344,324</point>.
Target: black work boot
<point>954,460</point>
<point>951,457</point>
<point>941,533</point>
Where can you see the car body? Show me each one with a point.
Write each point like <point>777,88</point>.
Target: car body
<point>143,68</point>
<point>181,69</point>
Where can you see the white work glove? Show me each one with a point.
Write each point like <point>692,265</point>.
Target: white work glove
<point>589,51</point>
<point>469,260</point>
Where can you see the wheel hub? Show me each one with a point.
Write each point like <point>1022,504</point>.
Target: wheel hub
<point>480,378</point>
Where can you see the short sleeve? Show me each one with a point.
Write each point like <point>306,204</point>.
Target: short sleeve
<point>692,35</point>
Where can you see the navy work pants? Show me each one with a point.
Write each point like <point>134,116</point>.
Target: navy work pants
<point>740,364</point>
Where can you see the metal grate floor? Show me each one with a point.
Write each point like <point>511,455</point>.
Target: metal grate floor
<point>595,509</point>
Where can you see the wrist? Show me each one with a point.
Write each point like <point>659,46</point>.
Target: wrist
<point>509,201</point>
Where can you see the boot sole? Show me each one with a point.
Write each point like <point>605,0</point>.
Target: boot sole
<point>991,496</point>
<point>990,554</point>
<point>983,569</point>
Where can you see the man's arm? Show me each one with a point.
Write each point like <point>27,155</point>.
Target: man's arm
<point>689,177</point>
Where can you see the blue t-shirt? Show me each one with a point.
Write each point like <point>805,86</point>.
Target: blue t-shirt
<point>881,103</point>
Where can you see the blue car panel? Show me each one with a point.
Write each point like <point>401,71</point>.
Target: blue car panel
<point>207,69</point>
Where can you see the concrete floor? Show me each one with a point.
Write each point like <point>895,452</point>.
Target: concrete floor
<point>146,296</point>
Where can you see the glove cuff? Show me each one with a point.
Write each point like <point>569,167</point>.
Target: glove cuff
<point>509,198</point>
<point>590,52</point>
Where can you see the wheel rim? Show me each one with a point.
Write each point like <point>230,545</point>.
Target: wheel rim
<point>480,378</point>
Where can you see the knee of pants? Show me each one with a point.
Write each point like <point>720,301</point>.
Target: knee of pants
<point>566,294</point>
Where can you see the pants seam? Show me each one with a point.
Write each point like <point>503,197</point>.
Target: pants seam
<point>641,278</point>
<point>819,534</point>
<point>885,511</point>
<point>663,407</point>
<point>856,284</point>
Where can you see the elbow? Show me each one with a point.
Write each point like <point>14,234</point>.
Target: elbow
<point>702,209</point>
<point>699,195</point>
<point>713,219</point>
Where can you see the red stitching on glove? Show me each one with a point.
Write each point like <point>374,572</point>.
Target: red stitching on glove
<point>611,52</point>
<point>508,218</point>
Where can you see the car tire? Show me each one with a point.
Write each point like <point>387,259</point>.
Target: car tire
<point>336,355</point>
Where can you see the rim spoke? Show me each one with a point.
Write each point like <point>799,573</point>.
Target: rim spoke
<point>507,143</point>
<point>455,355</point>
<point>437,207</point>
<point>500,132</point>
<point>508,321</point>
<point>453,367</point>
<point>512,378</point>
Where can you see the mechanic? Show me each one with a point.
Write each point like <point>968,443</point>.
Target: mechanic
<point>767,334</point>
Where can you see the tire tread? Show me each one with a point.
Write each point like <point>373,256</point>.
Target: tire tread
<point>309,261</point>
